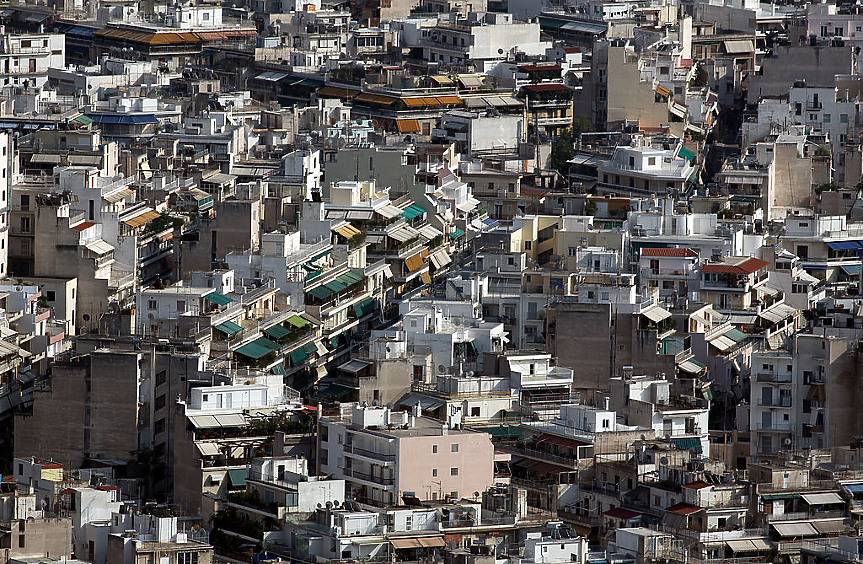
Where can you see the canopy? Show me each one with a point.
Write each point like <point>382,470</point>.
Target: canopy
<point>347,231</point>
<point>254,350</point>
<point>412,211</point>
<point>795,529</point>
<point>843,245</point>
<point>852,269</point>
<point>456,233</point>
<point>237,477</point>
<point>276,332</point>
<point>218,298</point>
<point>297,321</point>
<point>229,328</point>
<point>826,498</point>
<point>655,313</point>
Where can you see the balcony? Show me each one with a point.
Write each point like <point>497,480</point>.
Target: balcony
<point>357,452</point>
<point>772,377</point>
<point>774,427</point>
<point>775,402</point>
<point>379,480</point>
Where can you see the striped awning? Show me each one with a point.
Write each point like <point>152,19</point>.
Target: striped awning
<point>347,231</point>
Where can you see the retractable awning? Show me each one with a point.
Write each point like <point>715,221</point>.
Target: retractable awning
<point>229,328</point>
<point>655,313</point>
<point>218,299</point>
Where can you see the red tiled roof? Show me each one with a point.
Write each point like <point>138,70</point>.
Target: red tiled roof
<point>696,485</point>
<point>572,49</point>
<point>621,513</point>
<point>667,252</point>
<point>746,267</point>
<point>683,509</point>
<point>83,225</point>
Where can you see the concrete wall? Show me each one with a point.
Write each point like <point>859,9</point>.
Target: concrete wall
<point>416,461</point>
<point>628,97</point>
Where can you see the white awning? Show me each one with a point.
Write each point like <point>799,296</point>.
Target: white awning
<point>208,449</point>
<point>722,343</point>
<point>322,350</point>
<point>221,420</point>
<point>440,258</point>
<point>389,211</point>
<point>403,233</point>
<point>467,206</point>
<point>691,367</point>
<point>99,247</point>
<point>822,498</point>
<point>429,232</point>
<point>655,313</point>
<point>795,529</point>
<point>425,402</point>
<point>777,313</point>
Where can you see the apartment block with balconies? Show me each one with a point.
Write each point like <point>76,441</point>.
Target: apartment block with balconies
<point>772,405</point>
<point>384,455</point>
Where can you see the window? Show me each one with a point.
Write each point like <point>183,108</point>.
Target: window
<point>651,161</point>
<point>151,304</point>
<point>161,377</point>
<point>160,426</point>
<point>50,295</point>
<point>188,557</point>
<point>453,471</point>
<point>453,495</point>
<point>527,245</point>
<point>25,225</point>
<point>434,472</point>
<point>491,186</point>
<point>843,118</point>
<point>160,402</point>
<point>826,118</point>
<point>572,251</point>
<point>454,447</point>
<point>434,449</point>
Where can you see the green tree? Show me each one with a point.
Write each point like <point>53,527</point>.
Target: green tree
<point>561,152</point>
<point>580,124</point>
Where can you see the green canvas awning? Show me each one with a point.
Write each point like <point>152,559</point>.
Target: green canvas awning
<point>276,331</point>
<point>685,153</point>
<point>456,233</point>
<point>218,298</point>
<point>335,286</point>
<point>237,477</point>
<point>364,307</point>
<point>229,328</point>
<point>299,355</point>
<point>279,369</point>
<point>412,211</point>
<point>297,321</point>
<point>254,350</point>
<point>692,444</point>
<point>310,348</point>
<point>773,496</point>
<point>349,278</point>
<point>736,335</point>
<point>321,292</point>
<point>336,391</point>
<point>267,344</point>
<point>81,120</point>
<point>320,254</point>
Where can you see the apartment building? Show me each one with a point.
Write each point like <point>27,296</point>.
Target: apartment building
<point>26,58</point>
<point>383,455</point>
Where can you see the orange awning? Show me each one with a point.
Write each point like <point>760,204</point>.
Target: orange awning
<point>408,125</point>
<point>415,262</point>
<point>449,99</point>
<point>413,102</point>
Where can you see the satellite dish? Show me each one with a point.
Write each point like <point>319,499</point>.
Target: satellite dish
<point>787,442</point>
<point>663,461</point>
<point>643,437</point>
<point>500,51</point>
<point>441,368</point>
<point>476,494</point>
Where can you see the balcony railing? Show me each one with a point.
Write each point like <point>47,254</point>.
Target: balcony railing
<point>350,449</point>
<point>368,477</point>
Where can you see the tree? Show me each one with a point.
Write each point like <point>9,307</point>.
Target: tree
<point>561,152</point>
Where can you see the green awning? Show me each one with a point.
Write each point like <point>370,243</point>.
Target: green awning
<point>336,391</point>
<point>279,369</point>
<point>321,292</point>
<point>692,444</point>
<point>548,22</point>
<point>349,278</point>
<point>299,355</point>
<point>852,269</point>
<point>297,321</point>
<point>81,120</point>
<point>320,254</point>
<point>750,199</point>
<point>685,153</point>
<point>237,477</point>
<point>456,233</point>
<point>254,350</point>
<point>267,344</point>
<point>364,307</point>
<point>773,496</point>
<point>310,348</point>
<point>218,299</point>
<point>412,211</point>
<point>335,286</point>
<point>735,335</point>
<point>334,343</point>
<point>276,331</point>
<point>707,393</point>
<point>229,328</point>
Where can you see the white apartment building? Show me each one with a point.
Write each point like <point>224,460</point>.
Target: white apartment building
<point>773,404</point>
<point>25,59</point>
